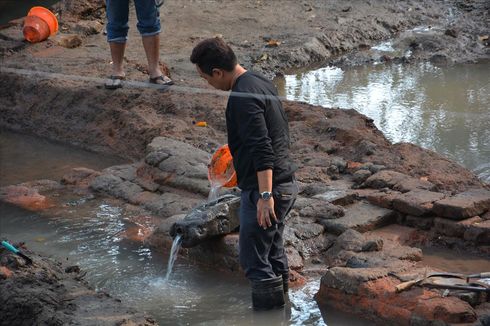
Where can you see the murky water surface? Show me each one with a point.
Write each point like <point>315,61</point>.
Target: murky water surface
<point>99,236</point>
<point>92,235</point>
<point>455,261</point>
<point>443,109</point>
<point>24,158</point>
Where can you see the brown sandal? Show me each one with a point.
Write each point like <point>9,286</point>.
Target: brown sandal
<point>161,80</point>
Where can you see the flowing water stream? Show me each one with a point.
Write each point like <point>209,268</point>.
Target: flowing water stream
<point>173,255</point>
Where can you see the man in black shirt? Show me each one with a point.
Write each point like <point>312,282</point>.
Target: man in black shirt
<point>258,138</point>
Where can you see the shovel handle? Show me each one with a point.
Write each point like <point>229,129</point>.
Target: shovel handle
<point>406,285</point>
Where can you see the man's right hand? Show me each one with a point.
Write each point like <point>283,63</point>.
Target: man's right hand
<point>265,213</point>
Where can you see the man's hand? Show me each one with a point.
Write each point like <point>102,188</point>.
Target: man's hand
<point>265,212</point>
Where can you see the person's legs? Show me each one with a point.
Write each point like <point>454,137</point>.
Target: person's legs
<point>284,197</point>
<point>254,241</point>
<point>117,31</point>
<point>117,54</point>
<point>254,248</point>
<point>152,50</point>
<point>149,28</point>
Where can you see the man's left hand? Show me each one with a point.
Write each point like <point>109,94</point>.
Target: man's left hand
<point>265,213</point>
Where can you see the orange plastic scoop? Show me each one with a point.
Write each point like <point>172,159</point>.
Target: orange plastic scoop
<point>221,170</point>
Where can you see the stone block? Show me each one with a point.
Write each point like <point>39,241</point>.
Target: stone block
<point>312,189</point>
<point>382,198</point>
<point>422,223</point>
<point>183,159</point>
<point>384,179</point>
<point>478,232</point>
<point>360,176</point>
<point>350,279</point>
<point>193,185</point>
<point>317,208</point>
<point>25,197</point>
<point>105,183</point>
<point>79,175</point>
<point>155,158</point>
<point>361,217</point>
<point>349,240</point>
<point>125,172</point>
<point>69,41</point>
<point>464,205</point>
<point>220,253</point>
<point>295,260</point>
<point>307,230</point>
<point>452,228</point>
<point>338,197</point>
<point>126,190</point>
<point>409,184</point>
<point>169,204</point>
<point>88,27</point>
<point>449,310</point>
<point>338,192</point>
<point>416,202</point>
<point>375,168</point>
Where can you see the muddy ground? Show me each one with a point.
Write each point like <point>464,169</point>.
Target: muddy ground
<point>67,102</point>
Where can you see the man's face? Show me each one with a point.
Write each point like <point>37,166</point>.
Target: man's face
<point>216,79</point>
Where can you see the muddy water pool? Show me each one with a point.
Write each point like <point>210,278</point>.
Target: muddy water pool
<point>99,236</point>
<point>25,158</point>
<point>445,109</point>
<point>455,261</point>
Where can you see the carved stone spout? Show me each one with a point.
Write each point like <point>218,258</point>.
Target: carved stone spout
<point>216,218</point>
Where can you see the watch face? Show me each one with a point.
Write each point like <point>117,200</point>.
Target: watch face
<point>266,195</point>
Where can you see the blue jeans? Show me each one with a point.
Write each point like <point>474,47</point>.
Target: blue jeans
<point>118,16</point>
<point>262,251</point>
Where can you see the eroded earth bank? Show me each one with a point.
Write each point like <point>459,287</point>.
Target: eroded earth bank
<point>366,206</point>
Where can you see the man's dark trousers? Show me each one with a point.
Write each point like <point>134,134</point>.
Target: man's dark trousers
<point>262,253</point>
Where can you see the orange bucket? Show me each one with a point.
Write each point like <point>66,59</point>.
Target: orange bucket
<point>39,24</point>
<point>35,29</point>
<point>221,170</point>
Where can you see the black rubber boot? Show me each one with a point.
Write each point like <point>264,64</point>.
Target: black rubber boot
<point>285,282</point>
<point>268,294</point>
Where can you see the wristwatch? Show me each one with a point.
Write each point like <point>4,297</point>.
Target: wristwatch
<point>266,195</point>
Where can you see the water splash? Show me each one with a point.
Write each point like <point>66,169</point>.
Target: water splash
<point>214,192</point>
<point>173,255</point>
<point>304,309</point>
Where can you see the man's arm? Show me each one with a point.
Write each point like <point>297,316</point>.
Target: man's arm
<point>252,129</point>
<point>265,208</point>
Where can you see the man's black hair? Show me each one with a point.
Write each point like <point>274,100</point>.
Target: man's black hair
<point>213,53</point>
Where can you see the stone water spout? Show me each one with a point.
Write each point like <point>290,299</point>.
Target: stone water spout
<point>212,219</point>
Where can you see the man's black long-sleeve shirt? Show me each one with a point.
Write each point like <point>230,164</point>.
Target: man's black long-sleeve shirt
<point>258,132</point>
